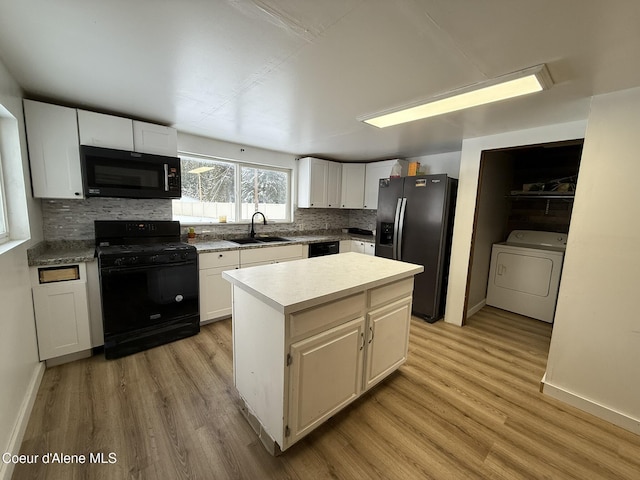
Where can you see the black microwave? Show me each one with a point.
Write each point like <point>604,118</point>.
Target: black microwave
<point>107,172</point>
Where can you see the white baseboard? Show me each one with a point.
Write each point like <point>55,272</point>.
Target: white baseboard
<point>476,308</point>
<point>6,469</point>
<point>589,406</point>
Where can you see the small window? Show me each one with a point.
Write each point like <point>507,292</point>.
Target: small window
<point>219,191</point>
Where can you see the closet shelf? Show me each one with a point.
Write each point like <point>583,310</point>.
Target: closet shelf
<point>541,194</point>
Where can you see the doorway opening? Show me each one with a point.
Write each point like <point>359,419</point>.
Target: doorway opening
<point>528,188</point>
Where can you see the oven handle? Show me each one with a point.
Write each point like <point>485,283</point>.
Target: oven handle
<point>127,269</point>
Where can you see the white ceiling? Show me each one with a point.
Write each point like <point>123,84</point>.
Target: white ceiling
<point>293,75</point>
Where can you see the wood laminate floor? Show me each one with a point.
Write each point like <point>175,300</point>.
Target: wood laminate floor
<point>466,405</point>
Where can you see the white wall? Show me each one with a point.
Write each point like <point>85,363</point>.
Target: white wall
<point>20,369</point>
<point>466,201</point>
<point>231,151</point>
<point>594,359</point>
<point>497,173</point>
<point>448,163</point>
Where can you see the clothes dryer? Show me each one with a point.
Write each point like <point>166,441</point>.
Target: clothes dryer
<point>524,276</point>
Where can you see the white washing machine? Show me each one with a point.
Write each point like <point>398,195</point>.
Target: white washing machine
<point>525,273</point>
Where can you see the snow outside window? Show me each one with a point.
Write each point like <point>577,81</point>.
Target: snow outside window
<point>219,191</point>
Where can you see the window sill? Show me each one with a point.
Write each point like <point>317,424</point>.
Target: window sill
<point>230,224</point>
<point>9,245</point>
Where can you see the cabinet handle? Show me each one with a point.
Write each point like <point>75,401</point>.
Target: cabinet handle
<point>371,330</point>
<point>362,336</point>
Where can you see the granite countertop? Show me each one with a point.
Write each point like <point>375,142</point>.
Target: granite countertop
<point>217,245</point>
<point>327,278</point>
<point>63,252</point>
<point>59,253</point>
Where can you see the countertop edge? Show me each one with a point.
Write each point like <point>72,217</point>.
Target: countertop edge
<point>286,309</point>
<point>44,254</point>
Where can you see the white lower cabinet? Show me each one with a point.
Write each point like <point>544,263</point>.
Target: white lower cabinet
<point>368,248</point>
<point>333,360</point>
<point>388,340</point>
<point>61,310</point>
<point>345,246</point>
<point>332,368</point>
<point>295,371</point>
<point>215,293</point>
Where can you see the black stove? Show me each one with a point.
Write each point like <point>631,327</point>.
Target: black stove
<point>146,254</point>
<point>148,282</point>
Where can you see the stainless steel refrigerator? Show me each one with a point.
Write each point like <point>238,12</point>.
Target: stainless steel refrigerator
<point>414,224</point>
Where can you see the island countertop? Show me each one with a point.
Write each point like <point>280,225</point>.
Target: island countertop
<point>299,284</point>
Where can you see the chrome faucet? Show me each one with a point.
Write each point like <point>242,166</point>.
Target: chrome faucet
<point>264,221</point>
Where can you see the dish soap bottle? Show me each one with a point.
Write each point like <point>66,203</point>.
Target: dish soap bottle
<point>396,170</point>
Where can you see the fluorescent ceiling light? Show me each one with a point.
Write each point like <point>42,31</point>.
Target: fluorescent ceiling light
<point>530,80</point>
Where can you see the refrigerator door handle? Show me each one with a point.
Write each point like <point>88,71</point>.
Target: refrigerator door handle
<point>403,207</point>
<point>396,224</point>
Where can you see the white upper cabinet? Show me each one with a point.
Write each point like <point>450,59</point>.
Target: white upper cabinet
<point>352,185</point>
<point>334,183</point>
<point>54,136</point>
<point>152,138</point>
<point>54,150</point>
<point>374,172</point>
<point>107,131</point>
<point>319,183</point>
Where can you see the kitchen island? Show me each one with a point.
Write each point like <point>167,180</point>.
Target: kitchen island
<point>310,336</point>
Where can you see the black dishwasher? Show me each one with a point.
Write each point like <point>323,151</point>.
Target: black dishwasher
<point>323,248</point>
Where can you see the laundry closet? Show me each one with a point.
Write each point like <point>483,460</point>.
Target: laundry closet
<point>523,213</point>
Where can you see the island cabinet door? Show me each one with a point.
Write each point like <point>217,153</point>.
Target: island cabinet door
<point>325,375</point>
<point>387,338</point>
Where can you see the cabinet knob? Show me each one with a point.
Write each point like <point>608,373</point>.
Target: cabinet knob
<point>77,194</point>
<point>220,255</point>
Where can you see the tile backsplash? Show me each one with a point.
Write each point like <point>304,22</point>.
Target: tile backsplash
<point>71,220</point>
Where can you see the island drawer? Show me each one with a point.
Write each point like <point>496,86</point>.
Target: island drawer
<point>228,258</point>
<point>316,319</point>
<point>388,293</point>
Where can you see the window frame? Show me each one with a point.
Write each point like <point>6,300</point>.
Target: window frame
<point>238,189</point>
<point>4,233</point>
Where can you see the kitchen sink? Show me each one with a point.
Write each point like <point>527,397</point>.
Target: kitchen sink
<point>272,239</point>
<point>249,240</point>
<point>244,241</point>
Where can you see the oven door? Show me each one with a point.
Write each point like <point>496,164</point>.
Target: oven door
<point>147,302</point>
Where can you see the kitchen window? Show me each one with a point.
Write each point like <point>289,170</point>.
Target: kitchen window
<point>223,191</point>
